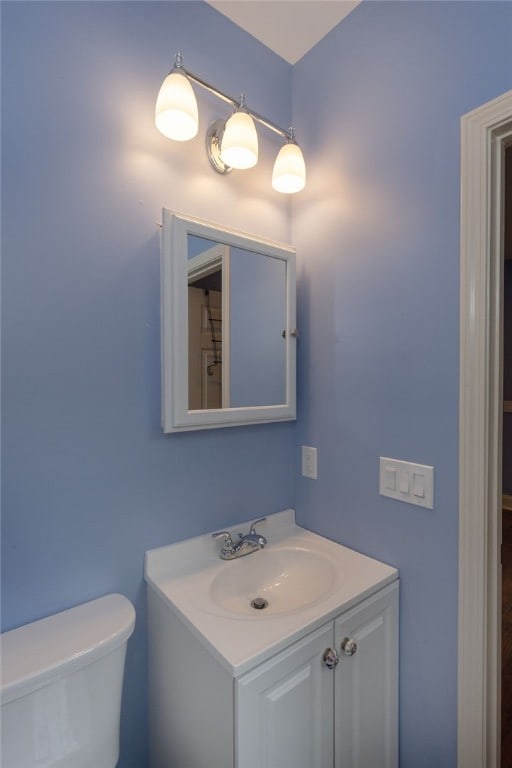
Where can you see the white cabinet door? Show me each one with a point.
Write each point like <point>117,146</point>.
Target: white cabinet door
<point>284,708</point>
<point>366,684</point>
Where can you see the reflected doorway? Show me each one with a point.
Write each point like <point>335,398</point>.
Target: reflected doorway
<point>205,348</point>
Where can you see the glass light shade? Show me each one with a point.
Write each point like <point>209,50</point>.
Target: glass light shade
<point>289,174</point>
<point>239,144</point>
<point>176,108</point>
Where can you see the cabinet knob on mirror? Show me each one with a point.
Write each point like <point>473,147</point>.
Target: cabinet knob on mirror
<point>348,646</point>
<point>330,658</point>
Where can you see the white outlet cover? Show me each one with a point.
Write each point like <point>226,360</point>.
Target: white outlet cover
<point>309,462</point>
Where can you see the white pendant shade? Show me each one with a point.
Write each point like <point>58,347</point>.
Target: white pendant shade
<point>289,174</point>
<point>176,108</point>
<point>239,145</point>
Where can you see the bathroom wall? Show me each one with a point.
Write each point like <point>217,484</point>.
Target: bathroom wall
<point>377,106</point>
<point>89,480</point>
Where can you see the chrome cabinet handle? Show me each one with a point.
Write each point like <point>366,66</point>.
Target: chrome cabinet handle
<point>348,646</point>
<point>330,658</point>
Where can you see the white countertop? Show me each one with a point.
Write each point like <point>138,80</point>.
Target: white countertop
<point>182,575</point>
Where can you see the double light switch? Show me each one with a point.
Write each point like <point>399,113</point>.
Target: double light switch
<point>413,483</point>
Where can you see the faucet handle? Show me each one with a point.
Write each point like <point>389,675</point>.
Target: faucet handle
<point>228,541</point>
<point>252,529</point>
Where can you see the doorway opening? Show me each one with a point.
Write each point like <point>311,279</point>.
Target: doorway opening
<point>486,133</point>
<point>506,540</point>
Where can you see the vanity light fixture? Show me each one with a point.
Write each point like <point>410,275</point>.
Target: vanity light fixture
<point>231,143</point>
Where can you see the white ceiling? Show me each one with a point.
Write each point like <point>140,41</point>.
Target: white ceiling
<point>290,28</point>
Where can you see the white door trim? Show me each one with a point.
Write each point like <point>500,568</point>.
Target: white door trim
<point>484,133</point>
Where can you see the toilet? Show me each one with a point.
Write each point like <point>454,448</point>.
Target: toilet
<point>60,687</point>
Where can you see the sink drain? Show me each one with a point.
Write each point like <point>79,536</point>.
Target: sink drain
<point>259,603</point>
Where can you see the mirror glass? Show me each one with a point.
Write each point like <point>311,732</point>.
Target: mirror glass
<point>228,326</point>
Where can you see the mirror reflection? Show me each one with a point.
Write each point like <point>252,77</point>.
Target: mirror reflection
<point>236,326</point>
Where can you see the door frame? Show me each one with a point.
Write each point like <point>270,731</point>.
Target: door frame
<point>484,134</point>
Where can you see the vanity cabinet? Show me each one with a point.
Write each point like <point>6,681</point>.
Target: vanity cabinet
<point>290,711</point>
<point>366,684</point>
<point>285,708</point>
<point>294,711</point>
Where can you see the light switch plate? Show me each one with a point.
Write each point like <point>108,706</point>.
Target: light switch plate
<point>403,480</point>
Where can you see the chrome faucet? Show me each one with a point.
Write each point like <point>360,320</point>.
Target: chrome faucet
<point>245,545</point>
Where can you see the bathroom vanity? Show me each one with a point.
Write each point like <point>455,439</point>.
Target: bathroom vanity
<point>310,681</point>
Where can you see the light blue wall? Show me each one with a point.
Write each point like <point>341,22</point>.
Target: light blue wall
<point>377,106</point>
<point>89,480</point>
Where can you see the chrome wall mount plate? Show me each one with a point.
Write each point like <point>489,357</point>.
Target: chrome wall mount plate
<point>214,136</point>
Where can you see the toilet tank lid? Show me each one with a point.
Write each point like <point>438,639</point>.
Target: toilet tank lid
<point>39,653</point>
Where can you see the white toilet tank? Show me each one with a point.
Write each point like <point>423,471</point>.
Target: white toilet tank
<point>60,687</point>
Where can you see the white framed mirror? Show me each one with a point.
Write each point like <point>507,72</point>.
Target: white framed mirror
<point>227,326</point>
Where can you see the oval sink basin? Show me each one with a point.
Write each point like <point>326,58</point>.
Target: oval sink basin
<point>288,579</point>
